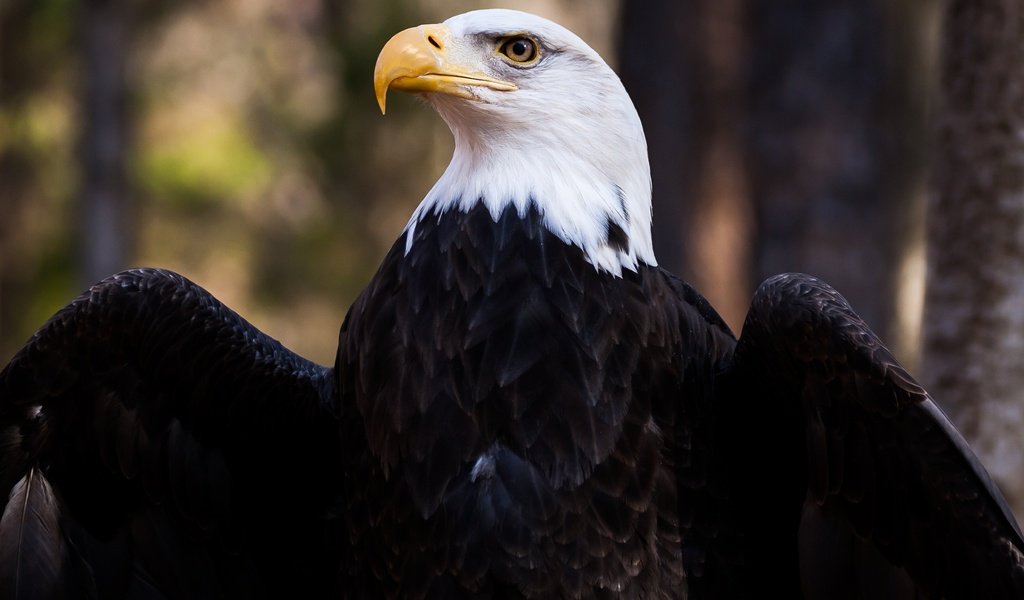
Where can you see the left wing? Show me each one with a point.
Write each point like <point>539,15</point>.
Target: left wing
<point>153,443</point>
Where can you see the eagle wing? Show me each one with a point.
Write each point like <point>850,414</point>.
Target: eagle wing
<point>852,464</point>
<point>152,439</point>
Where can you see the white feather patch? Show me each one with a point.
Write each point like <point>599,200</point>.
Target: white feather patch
<point>568,140</point>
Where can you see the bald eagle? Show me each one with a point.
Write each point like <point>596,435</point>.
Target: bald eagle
<point>523,404</point>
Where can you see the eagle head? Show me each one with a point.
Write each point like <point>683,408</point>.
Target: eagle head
<point>538,119</point>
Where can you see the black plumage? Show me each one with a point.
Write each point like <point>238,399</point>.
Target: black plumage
<point>514,412</point>
<point>185,449</point>
<point>503,420</point>
<point>515,393</point>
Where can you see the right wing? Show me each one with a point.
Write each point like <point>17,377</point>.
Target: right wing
<point>853,466</point>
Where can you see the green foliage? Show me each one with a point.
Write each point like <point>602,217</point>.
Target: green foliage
<point>258,163</point>
<point>210,163</point>
<point>38,176</point>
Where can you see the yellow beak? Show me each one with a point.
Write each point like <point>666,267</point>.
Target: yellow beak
<point>417,60</point>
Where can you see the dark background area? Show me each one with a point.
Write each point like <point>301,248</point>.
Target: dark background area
<point>876,144</point>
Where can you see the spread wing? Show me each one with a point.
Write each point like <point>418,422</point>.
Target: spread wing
<point>154,443</point>
<point>853,465</point>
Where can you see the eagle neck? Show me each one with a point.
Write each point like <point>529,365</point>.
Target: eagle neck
<point>596,202</point>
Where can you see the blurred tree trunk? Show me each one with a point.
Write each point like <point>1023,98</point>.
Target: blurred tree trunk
<point>974,320</point>
<point>657,62</point>
<point>835,145</point>
<point>680,61</point>
<point>789,135</point>
<point>102,222</point>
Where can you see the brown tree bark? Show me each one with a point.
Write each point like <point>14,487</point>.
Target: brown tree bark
<point>681,62</point>
<point>785,136</point>
<point>657,62</point>
<point>104,140</point>
<point>974,310</point>
<point>831,147</point>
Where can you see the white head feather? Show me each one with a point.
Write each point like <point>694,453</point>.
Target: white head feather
<point>568,140</point>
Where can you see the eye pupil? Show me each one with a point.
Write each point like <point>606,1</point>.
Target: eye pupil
<point>520,49</point>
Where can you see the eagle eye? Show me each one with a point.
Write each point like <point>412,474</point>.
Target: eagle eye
<point>519,49</point>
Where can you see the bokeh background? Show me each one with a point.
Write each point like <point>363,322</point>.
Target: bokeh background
<point>877,144</point>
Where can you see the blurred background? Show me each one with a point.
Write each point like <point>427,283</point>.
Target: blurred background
<point>877,144</point>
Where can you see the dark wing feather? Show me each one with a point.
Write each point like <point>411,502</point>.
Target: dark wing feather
<point>892,502</point>
<point>187,451</point>
<point>32,557</point>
